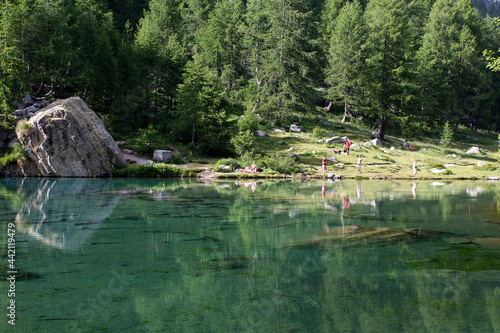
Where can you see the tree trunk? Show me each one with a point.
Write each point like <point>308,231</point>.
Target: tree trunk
<point>194,117</point>
<point>346,107</point>
<point>382,124</point>
<point>329,107</point>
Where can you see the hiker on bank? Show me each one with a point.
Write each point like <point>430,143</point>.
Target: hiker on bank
<point>414,168</point>
<point>360,163</point>
<point>324,164</point>
<point>347,145</point>
<point>406,145</point>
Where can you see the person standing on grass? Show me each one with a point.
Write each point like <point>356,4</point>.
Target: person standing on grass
<point>414,168</point>
<point>324,164</point>
<point>360,163</point>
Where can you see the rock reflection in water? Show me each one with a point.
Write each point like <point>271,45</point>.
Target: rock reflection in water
<point>64,213</point>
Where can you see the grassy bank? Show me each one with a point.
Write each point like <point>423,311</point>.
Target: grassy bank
<point>391,160</point>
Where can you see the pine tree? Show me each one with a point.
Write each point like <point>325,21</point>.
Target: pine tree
<point>346,56</point>
<point>390,60</point>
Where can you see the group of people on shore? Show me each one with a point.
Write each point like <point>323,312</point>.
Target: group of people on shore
<point>345,149</point>
<point>359,164</point>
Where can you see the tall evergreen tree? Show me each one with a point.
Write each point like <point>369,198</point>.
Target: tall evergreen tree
<point>160,42</point>
<point>450,60</point>
<point>9,61</point>
<point>220,43</point>
<point>202,110</point>
<point>390,52</point>
<point>346,56</point>
<point>286,57</point>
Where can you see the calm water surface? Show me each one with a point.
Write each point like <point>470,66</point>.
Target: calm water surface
<point>184,256</point>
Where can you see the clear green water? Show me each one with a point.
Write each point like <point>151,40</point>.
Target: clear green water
<point>184,256</point>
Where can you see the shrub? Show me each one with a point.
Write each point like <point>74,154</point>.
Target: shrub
<point>17,153</point>
<point>319,132</point>
<point>231,162</point>
<point>249,122</point>
<point>436,165</point>
<point>486,167</point>
<point>153,170</point>
<point>281,163</point>
<point>148,139</point>
<point>243,142</point>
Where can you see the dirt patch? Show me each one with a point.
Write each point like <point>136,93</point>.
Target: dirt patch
<point>136,159</point>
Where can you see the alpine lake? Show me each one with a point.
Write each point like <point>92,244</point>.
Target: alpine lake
<point>128,255</point>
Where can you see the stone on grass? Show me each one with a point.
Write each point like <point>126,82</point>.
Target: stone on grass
<point>474,150</point>
<point>162,155</point>
<point>336,139</point>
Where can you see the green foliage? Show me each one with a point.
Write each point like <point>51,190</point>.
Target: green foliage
<point>498,139</point>
<point>153,170</point>
<point>408,127</point>
<point>230,162</point>
<point>346,57</point>
<point>447,134</point>
<point>281,163</point>
<point>319,132</point>
<point>17,153</point>
<point>202,113</point>
<point>486,167</point>
<point>148,140</point>
<point>281,58</point>
<point>435,165</point>
<point>243,142</point>
<point>187,65</point>
<point>390,62</point>
<point>249,122</point>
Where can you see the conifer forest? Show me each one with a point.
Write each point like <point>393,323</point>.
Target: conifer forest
<point>184,68</point>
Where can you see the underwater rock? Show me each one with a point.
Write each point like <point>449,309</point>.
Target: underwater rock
<point>490,243</point>
<point>357,234</point>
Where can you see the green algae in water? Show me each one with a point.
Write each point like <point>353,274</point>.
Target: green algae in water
<point>467,258</point>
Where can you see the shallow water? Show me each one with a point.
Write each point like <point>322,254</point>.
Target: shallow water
<point>282,256</point>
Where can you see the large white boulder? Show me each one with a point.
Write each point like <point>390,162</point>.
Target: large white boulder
<point>67,139</point>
